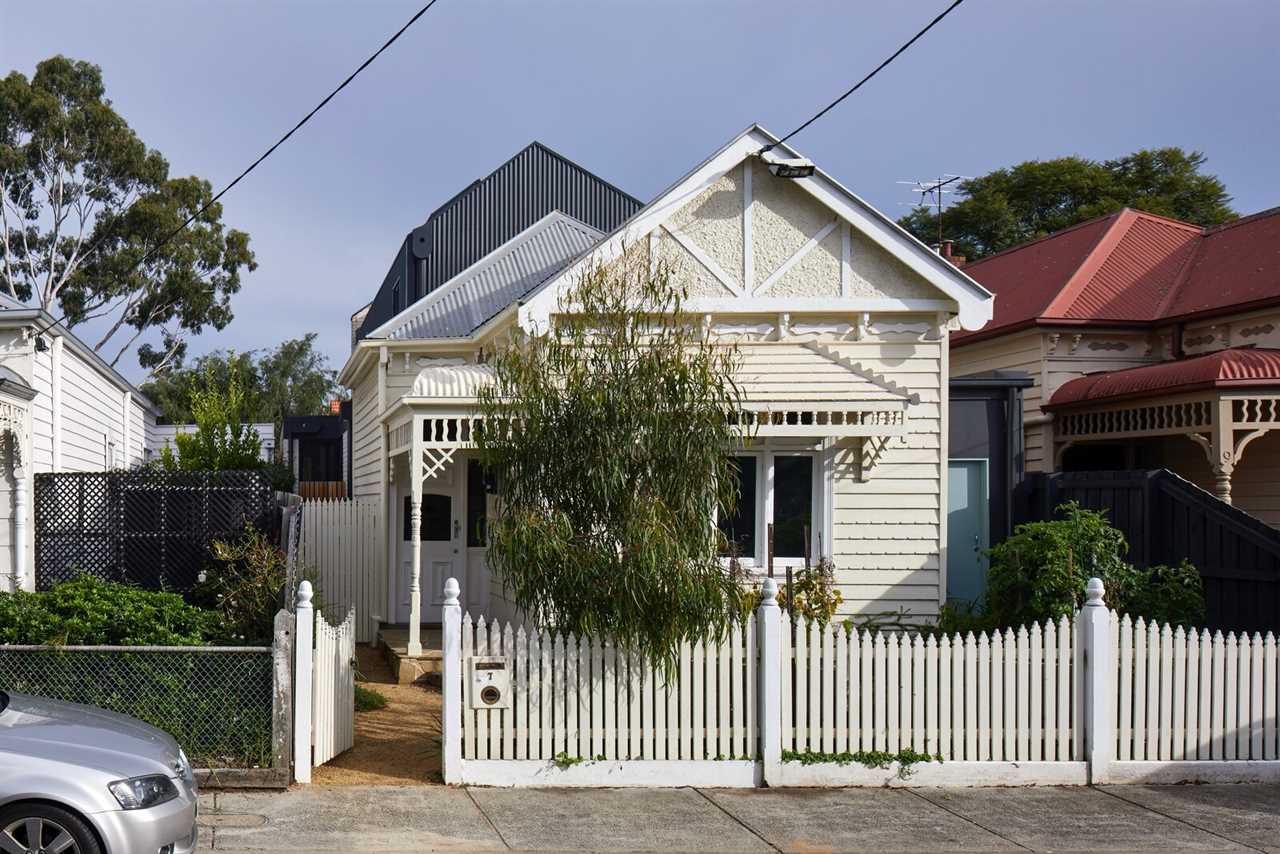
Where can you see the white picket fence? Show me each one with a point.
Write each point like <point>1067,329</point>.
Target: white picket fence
<point>324,686</point>
<point>585,698</point>
<point>1192,696</point>
<point>1089,699</point>
<point>1007,697</point>
<point>341,551</point>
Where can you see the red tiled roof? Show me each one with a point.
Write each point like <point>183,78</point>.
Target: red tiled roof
<point>1131,268</point>
<point>1221,369</point>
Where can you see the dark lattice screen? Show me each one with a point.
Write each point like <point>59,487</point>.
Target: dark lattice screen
<point>150,528</point>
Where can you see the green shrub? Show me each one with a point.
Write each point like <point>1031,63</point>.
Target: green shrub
<point>369,700</point>
<point>87,611</point>
<point>1041,571</point>
<point>244,587</point>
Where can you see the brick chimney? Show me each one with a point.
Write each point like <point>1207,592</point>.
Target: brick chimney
<point>945,250</point>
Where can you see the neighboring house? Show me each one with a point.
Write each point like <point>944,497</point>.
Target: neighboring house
<point>1151,343</point>
<point>317,449</point>
<point>986,463</point>
<point>64,409</point>
<point>842,319</point>
<point>162,436</point>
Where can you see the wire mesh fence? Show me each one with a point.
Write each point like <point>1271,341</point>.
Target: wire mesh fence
<point>215,701</point>
<point>144,527</point>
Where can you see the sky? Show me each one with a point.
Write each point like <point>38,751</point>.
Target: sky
<point>639,92</point>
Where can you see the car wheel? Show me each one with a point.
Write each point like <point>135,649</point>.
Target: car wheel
<point>32,828</point>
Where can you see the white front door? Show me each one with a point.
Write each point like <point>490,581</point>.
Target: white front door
<point>441,548</point>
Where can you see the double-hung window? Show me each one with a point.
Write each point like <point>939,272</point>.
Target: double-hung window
<point>782,489</point>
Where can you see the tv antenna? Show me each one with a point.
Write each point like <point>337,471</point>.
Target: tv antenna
<point>933,192</point>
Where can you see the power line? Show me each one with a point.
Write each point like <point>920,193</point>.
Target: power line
<point>873,73</point>
<point>254,165</point>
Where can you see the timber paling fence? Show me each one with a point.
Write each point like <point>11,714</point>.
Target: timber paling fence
<point>337,547</point>
<point>1094,698</point>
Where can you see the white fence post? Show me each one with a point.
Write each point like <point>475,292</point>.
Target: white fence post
<point>451,723</point>
<point>303,669</point>
<point>769,631</point>
<point>1093,628</point>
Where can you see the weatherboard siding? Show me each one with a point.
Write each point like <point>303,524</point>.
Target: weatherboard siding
<point>366,437</point>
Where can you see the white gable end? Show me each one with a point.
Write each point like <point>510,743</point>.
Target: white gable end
<point>741,240</point>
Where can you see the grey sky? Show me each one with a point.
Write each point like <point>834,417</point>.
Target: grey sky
<point>637,91</point>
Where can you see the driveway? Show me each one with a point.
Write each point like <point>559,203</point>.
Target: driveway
<point>415,818</point>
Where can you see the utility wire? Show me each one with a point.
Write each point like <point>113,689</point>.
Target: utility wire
<point>874,72</point>
<point>254,165</point>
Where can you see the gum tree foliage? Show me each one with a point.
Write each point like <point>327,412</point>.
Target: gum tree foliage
<point>1037,197</point>
<point>608,438</point>
<point>85,208</point>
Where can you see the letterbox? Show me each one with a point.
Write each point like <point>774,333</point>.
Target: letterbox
<point>490,682</point>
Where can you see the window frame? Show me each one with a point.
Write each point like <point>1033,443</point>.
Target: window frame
<point>819,504</point>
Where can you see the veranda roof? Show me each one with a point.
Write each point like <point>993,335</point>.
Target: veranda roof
<point>1230,368</point>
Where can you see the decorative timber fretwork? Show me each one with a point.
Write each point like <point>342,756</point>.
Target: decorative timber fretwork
<point>861,370</point>
<point>1221,423</point>
<point>1156,419</point>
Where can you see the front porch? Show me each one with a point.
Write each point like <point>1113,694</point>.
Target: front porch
<point>1196,417</point>
<point>393,643</point>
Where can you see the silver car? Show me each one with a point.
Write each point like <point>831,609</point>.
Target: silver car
<point>80,780</point>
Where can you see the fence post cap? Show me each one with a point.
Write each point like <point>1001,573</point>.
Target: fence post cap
<point>451,591</point>
<point>1093,593</point>
<point>769,593</point>
<point>304,594</point>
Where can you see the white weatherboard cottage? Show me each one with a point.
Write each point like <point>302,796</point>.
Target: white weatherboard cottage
<point>62,408</point>
<point>842,319</point>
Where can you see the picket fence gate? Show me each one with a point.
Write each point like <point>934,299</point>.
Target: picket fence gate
<point>1096,698</point>
<point>324,678</point>
<point>341,552</point>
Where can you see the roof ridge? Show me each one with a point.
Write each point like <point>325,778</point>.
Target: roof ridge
<point>1050,236</point>
<point>1168,220</point>
<point>1242,220</point>
<point>1184,274</point>
<point>1092,262</point>
<point>557,155</point>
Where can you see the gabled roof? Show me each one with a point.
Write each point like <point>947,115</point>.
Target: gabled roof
<point>973,300</point>
<point>1231,368</point>
<point>1131,268</point>
<point>490,212</point>
<point>464,304</point>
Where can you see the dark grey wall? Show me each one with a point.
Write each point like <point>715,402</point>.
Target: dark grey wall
<point>487,214</point>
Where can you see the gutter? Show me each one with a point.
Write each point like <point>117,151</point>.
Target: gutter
<point>10,318</point>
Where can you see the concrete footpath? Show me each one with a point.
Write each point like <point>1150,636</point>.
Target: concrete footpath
<point>402,819</point>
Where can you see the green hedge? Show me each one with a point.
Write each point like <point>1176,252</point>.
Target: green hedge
<point>217,705</point>
<point>88,611</point>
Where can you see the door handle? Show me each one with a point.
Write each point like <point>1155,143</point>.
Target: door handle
<point>976,547</point>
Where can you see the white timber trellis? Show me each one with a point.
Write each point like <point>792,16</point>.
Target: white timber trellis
<point>324,680</point>
<point>1090,699</point>
<point>341,552</point>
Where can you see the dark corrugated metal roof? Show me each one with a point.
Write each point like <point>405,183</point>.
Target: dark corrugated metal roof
<point>467,302</point>
<point>490,212</point>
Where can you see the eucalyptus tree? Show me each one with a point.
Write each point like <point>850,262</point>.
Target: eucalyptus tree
<point>91,221</point>
<point>608,437</point>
